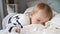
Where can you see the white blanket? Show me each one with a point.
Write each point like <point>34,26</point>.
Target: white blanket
<point>33,29</point>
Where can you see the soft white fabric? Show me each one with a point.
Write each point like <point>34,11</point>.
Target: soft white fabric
<point>33,29</point>
<point>13,33</point>
<point>3,32</point>
<point>6,19</point>
<point>56,21</point>
<point>52,31</point>
<point>9,26</point>
<point>54,25</point>
<point>32,32</point>
<point>23,19</point>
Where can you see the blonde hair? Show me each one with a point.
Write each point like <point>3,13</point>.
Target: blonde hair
<point>42,6</point>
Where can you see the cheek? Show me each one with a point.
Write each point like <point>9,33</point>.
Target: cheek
<point>35,22</point>
<point>45,20</point>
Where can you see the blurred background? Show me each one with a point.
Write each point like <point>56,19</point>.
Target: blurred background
<point>19,6</point>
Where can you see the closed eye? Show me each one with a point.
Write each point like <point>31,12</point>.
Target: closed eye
<point>57,28</point>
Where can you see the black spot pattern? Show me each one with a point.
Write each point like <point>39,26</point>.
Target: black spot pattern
<point>9,21</point>
<point>14,23</point>
<point>17,17</point>
<point>19,23</point>
<point>10,29</point>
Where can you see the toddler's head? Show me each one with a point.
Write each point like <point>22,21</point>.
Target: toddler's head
<point>41,13</point>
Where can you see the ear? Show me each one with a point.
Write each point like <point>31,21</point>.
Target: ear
<point>30,15</point>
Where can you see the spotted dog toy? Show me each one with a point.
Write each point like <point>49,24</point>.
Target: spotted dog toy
<point>16,18</point>
<point>16,23</point>
<point>20,19</point>
<point>13,28</point>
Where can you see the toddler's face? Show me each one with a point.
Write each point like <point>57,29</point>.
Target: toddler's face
<point>39,17</point>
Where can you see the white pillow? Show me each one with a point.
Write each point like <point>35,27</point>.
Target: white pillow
<point>54,25</point>
<point>33,3</point>
<point>56,21</point>
<point>33,29</point>
<point>22,18</point>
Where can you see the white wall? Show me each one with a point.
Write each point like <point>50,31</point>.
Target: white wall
<point>55,5</point>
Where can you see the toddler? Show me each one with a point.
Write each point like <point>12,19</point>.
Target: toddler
<point>40,14</point>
